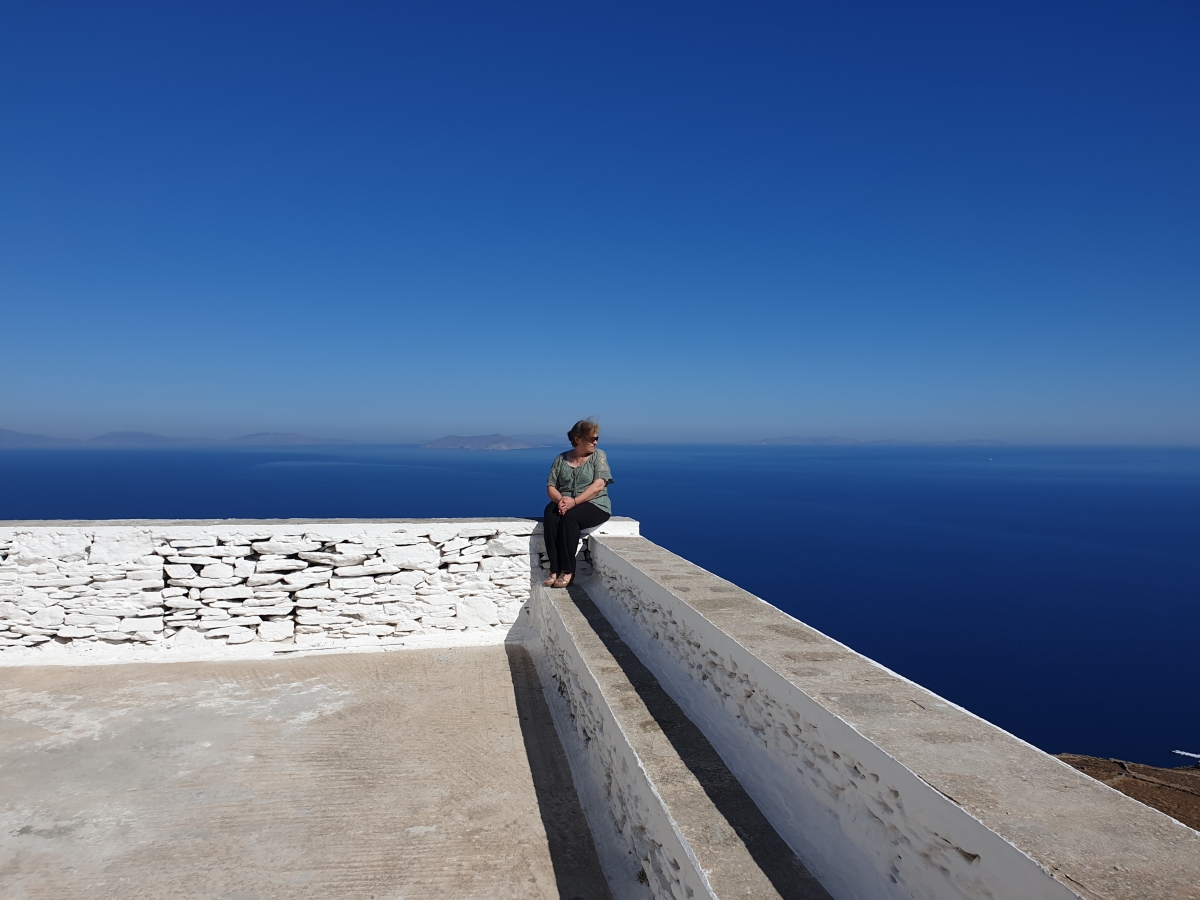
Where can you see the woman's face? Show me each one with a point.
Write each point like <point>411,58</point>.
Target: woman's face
<point>585,446</point>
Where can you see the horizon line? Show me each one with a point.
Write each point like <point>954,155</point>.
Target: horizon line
<point>139,440</point>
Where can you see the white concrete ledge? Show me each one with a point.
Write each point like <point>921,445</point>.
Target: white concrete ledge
<point>884,789</point>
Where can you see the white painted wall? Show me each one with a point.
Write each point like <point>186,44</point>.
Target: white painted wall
<point>863,824</point>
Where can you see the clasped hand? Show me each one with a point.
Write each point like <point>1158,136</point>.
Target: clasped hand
<point>564,504</point>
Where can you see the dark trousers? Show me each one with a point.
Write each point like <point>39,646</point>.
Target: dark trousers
<point>562,533</point>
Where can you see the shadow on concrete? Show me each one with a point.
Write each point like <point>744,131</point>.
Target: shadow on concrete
<point>770,852</point>
<point>572,850</point>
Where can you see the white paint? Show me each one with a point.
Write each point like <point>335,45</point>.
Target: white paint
<point>631,825</point>
<point>413,556</point>
<point>120,546</point>
<point>66,544</point>
<point>862,823</point>
<point>507,545</point>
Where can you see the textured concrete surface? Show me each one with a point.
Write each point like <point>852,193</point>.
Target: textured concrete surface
<point>1099,843</point>
<point>386,776</point>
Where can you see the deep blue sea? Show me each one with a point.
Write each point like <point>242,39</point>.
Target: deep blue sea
<point>1055,592</point>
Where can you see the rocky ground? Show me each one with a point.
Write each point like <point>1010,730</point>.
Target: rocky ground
<point>1173,791</point>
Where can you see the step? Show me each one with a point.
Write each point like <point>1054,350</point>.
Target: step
<point>668,817</point>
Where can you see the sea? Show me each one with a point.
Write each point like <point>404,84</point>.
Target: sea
<point>1052,591</point>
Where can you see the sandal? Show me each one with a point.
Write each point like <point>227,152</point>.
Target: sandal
<point>549,582</point>
<point>563,581</point>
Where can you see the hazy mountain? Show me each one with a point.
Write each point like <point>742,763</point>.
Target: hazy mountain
<point>18,439</point>
<point>478,442</point>
<point>15,439</point>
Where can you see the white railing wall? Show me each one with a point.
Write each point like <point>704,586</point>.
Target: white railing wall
<point>882,788</point>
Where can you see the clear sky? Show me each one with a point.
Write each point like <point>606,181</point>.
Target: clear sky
<point>699,221</point>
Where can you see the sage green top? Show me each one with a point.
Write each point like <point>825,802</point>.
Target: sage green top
<point>571,482</point>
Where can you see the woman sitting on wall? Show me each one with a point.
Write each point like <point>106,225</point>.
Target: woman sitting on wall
<point>578,489</point>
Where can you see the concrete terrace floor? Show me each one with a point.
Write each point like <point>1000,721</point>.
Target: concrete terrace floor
<point>409,774</point>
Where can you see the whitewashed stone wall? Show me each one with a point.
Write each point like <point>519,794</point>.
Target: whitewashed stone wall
<point>239,583</point>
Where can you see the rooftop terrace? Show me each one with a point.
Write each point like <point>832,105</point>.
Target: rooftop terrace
<point>654,732</point>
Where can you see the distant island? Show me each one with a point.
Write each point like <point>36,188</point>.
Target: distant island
<point>144,439</point>
<point>479,442</point>
<point>17,439</point>
<point>10,440</point>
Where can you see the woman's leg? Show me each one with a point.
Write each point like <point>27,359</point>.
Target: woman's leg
<point>550,532</point>
<point>585,515</point>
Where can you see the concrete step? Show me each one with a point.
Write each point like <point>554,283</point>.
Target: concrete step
<point>655,791</point>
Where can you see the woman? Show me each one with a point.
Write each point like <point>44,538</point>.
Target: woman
<point>578,489</point>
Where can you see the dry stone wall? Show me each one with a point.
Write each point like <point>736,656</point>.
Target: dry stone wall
<point>177,584</point>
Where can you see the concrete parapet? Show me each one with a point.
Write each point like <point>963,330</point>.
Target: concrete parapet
<point>882,788</point>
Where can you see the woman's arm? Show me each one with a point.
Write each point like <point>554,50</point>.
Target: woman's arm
<point>593,489</point>
<point>551,491</point>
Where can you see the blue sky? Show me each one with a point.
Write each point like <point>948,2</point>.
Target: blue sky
<point>702,221</point>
